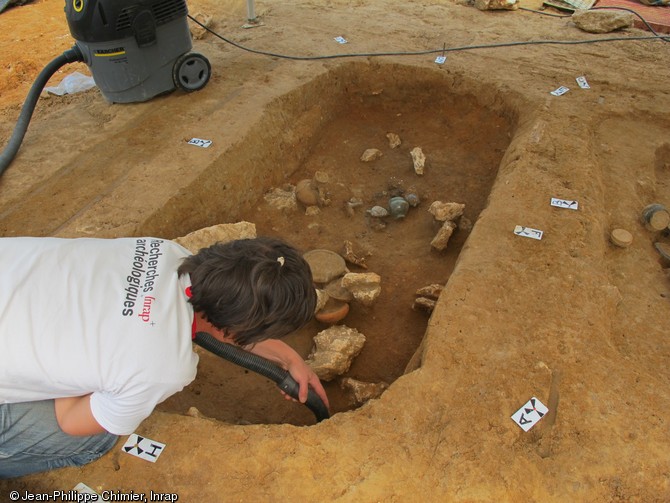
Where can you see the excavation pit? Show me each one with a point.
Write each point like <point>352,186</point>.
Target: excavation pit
<point>462,127</point>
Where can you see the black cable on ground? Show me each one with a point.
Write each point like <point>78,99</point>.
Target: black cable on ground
<point>263,367</point>
<point>7,156</point>
<point>443,50</point>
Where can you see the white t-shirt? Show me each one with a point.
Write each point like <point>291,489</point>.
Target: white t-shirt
<point>103,316</point>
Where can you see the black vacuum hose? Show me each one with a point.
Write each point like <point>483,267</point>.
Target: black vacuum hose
<point>8,154</point>
<point>262,366</point>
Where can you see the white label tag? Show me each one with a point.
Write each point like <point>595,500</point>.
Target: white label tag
<point>529,415</point>
<point>144,448</point>
<point>440,60</point>
<point>561,90</point>
<point>582,83</point>
<point>198,142</point>
<point>340,40</point>
<point>563,203</point>
<point>527,232</point>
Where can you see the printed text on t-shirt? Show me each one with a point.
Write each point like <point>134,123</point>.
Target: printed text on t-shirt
<point>142,277</point>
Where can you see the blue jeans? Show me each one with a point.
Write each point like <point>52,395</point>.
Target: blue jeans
<point>31,441</point>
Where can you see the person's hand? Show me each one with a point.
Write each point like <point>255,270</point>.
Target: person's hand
<point>305,377</point>
<point>282,354</point>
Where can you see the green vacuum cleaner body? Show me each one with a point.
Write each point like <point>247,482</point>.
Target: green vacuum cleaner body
<point>137,49</point>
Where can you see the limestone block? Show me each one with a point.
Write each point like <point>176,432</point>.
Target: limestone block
<point>441,239</point>
<point>197,31</point>
<point>371,154</point>
<point>362,391</point>
<point>419,160</point>
<point>335,348</point>
<point>282,199</point>
<point>221,233</point>
<point>365,287</point>
<point>601,21</point>
<point>394,140</point>
<point>446,211</point>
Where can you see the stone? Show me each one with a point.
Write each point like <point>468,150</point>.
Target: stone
<point>378,212</point>
<point>326,265</point>
<point>497,4</point>
<point>282,199</point>
<point>334,350</point>
<point>394,140</point>
<point>197,31</point>
<point>446,211</point>
<point>307,193</point>
<point>602,21</point>
<point>419,160</point>
<point>432,291</point>
<point>371,154</point>
<point>365,287</point>
<point>441,239</point>
<point>321,299</point>
<point>362,391</point>
<point>424,304</point>
<point>351,256</point>
<point>221,233</point>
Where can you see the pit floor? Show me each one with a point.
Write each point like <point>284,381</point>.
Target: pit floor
<point>570,319</point>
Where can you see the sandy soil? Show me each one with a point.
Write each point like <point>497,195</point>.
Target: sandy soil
<point>570,319</point>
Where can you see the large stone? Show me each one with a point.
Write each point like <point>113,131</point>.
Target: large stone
<point>335,348</point>
<point>602,21</point>
<point>221,233</point>
<point>365,287</point>
<point>442,237</point>
<point>446,211</point>
<point>282,199</point>
<point>362,391</point>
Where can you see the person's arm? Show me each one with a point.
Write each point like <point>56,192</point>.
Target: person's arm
<point>74,416</point>
<point>284,355</point>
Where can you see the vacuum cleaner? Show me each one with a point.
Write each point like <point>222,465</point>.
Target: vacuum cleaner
<point>135,49</point>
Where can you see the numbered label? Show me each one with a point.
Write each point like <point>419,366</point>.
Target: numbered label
<point>564,203</point>
<point>198,142</point>
<point>561,90</point>
<point>527,232</point>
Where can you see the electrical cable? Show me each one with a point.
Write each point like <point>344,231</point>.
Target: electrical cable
<point>443,50</point>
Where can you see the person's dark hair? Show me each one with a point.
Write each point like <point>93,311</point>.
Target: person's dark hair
<point>254,289</point>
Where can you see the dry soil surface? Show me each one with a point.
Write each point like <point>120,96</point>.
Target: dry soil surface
<point>570,319</point>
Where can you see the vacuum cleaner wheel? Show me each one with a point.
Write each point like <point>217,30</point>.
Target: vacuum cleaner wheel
<point>191,71</point>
